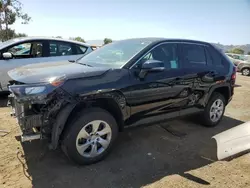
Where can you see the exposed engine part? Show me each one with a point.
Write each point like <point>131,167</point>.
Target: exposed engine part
<point>41,116</point>
<point>25,138</point>
<point>184,93</point>
<point>194,98</point>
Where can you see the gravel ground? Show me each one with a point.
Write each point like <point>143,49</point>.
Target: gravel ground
<point>143,157</point>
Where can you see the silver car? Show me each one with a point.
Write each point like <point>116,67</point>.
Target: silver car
<point>28,50</point>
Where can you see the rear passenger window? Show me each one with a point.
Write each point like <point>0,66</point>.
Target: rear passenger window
<point>218,61</point>
<point>60,48</point>
<point>194,55</point>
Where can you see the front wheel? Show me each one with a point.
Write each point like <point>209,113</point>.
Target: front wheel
<point>214,110</point>
<point>90,137</point>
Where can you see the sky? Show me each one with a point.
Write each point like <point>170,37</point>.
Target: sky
<point>223,21</point>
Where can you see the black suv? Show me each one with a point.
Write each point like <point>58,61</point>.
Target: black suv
<point>83,105</point>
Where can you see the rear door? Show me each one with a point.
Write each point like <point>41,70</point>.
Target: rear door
<point>60,50</point>
<point>218,64</point>
<point>198,63</point>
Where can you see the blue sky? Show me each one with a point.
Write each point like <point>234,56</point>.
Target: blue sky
<point>224,21</point>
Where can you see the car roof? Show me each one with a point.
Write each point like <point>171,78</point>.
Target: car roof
<point>161,39</point>
<point>23,39</point>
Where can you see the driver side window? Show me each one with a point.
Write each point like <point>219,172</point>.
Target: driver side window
<point>20,49</point>
<point>166,53</point>
<point>27,50</point>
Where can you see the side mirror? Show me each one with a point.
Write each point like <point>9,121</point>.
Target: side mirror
<point>7,55</point>
<point>151,66</point>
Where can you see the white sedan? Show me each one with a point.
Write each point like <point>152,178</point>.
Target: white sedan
<point>28,50</point>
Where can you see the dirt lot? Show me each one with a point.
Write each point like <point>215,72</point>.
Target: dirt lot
<point>144,156</point>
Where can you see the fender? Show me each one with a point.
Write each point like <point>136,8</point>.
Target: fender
<point>89,100</point>
<point>243,66</point>
<point>59,124</point>
<point>211,91</point>
<point>116,95</point>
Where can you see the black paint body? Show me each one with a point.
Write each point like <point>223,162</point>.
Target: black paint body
<point>159,95</point>
<point>172,90</point>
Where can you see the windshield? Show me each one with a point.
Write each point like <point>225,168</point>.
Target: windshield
<point>115,54</point>
<point>9,42</point>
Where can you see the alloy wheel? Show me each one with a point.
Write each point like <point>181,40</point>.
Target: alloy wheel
<point>216,110</point>
<point>245,72</point>
<point>94,138</point>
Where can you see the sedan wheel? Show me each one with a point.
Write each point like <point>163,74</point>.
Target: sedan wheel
<point>246,72</point>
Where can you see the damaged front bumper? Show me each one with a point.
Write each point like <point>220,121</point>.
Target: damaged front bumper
<point>30,125</point>
<point>36,114</point>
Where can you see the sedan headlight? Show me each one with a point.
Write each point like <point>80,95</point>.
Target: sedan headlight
<point>34,90</point>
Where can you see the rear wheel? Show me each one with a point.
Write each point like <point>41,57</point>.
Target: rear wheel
<point>90,137</point>
<point>245,71</point>
<point>214,110</point>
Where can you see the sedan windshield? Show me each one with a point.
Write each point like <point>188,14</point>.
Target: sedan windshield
<point>9,42</point>
<point>116,54</point>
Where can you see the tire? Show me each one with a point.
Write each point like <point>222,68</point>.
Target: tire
<point>208,119</point>
<point>245,72</point>
<point>78,143</point>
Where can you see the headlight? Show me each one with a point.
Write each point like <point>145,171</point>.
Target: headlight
<point>26,90</point>
<point>34,90</point>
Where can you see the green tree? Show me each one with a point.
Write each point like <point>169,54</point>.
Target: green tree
<point>248,53</point>
<point>6,34</point>
<point>20,35</point>
<point>9,34</point>
<point>237,51</point>
<point>10,11</point>
<point>78,39</point>
<point>107,40</point>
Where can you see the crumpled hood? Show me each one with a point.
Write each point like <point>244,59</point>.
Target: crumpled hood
<point>42,72</point>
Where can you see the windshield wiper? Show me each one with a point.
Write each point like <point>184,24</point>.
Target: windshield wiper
<point>74,61</point>
<point>86,64</point>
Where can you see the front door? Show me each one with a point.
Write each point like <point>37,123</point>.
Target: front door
<point>159,92</point>
<point>23,54</point>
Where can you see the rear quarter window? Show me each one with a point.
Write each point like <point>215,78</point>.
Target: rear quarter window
<point>218,60</point>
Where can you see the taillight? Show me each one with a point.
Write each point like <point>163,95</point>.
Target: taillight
<point>233,76</point>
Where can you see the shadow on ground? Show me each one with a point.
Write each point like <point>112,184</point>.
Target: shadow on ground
<point>142,156</point>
